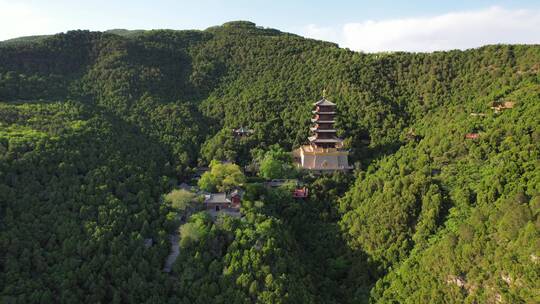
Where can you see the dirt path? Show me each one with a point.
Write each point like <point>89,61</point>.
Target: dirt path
<point>175,251</point>
<point>175,243</point>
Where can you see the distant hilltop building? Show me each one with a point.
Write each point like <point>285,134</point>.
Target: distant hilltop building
<point>325,151</point>
<point>499,106</point>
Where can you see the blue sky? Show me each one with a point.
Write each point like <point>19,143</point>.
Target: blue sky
<point>359,25</point>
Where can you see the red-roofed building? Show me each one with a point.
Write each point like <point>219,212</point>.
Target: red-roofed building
<point>301,192</point>
<point>472,136</point>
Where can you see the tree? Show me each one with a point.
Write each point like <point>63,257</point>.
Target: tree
<point>179,199</point>
<point>276,163</point>
<point>222,177</point>
<point>195,229</point>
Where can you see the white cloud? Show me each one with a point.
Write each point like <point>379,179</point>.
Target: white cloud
<point>322,33</point>
<point>459,30</point>
<point>20,19</point>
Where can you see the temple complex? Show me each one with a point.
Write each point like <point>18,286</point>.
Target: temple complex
<point>325,151</point>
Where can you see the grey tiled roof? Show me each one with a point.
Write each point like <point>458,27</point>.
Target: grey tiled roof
<point>324,102</point>
<point>217,198</point>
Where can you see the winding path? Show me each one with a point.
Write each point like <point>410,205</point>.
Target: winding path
<point>175,251</point>
<point>175,242</point>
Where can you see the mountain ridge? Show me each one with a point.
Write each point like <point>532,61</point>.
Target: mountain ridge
<point>428,215</point>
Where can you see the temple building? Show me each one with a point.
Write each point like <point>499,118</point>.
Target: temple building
<point>325,151</point>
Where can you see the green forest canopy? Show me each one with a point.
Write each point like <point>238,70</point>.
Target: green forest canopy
<point>96,127</point>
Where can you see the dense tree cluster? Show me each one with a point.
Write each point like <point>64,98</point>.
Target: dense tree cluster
<point>476,229</point>
<point>234,261</point>
<point>79,193</point>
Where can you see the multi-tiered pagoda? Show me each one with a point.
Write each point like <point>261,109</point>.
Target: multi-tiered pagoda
<point>325,150</point>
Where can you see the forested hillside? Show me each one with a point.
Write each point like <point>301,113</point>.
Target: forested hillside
<point>79,194</point>
<point>96,127</point>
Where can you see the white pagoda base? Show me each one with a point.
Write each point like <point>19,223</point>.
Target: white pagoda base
<point>322,159</point>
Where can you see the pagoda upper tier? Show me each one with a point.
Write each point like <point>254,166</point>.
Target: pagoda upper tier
<point>324,133</point>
